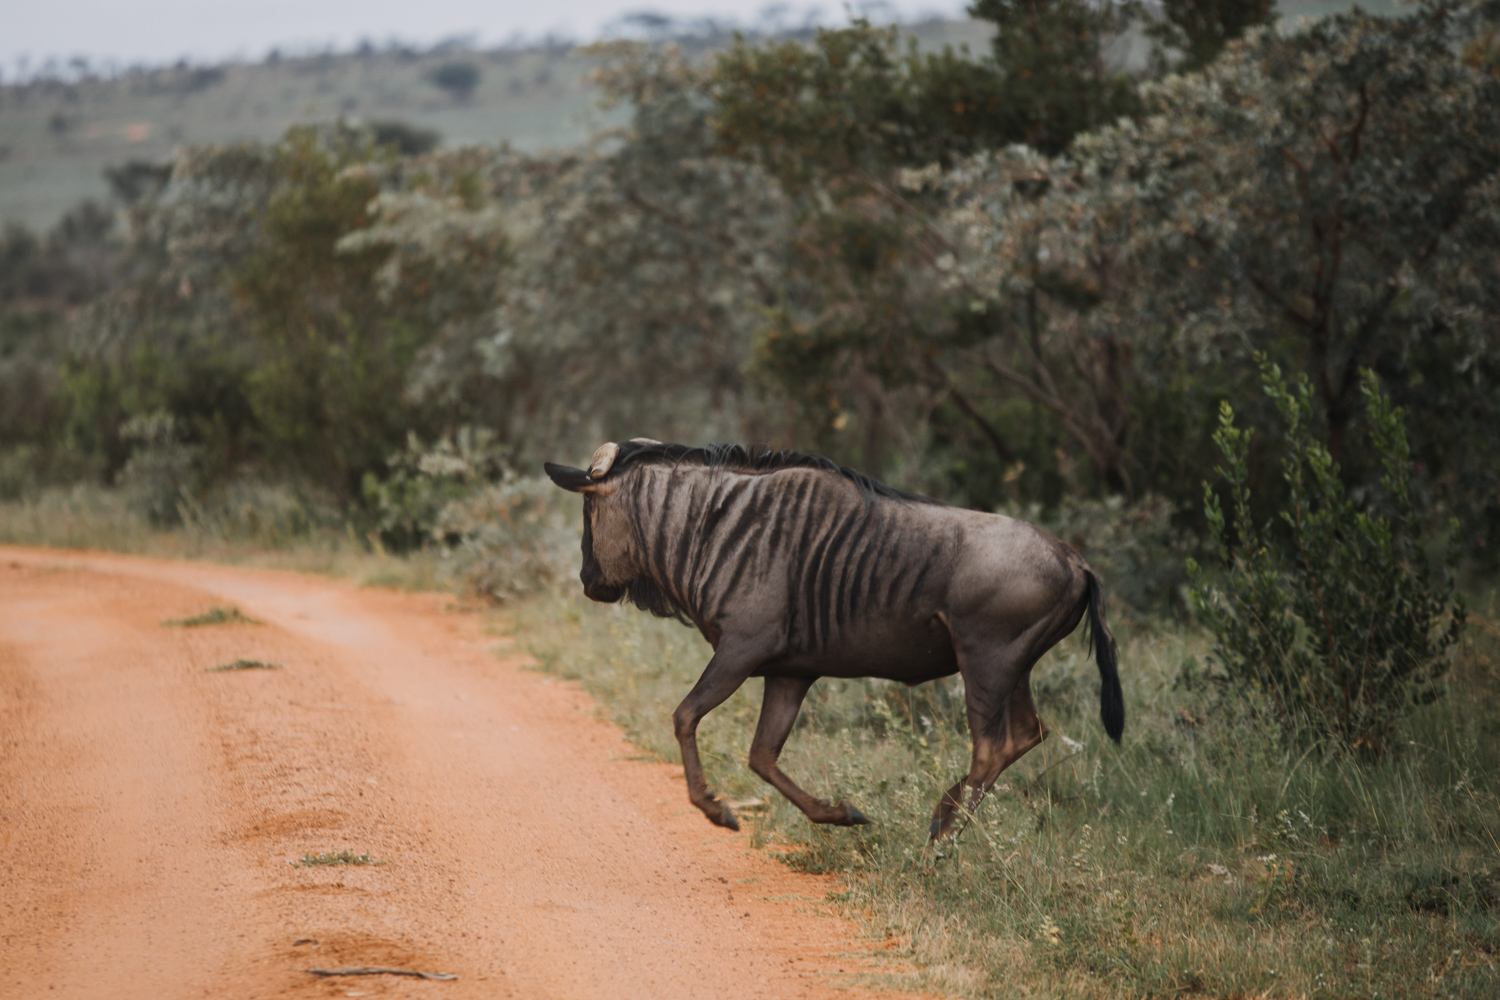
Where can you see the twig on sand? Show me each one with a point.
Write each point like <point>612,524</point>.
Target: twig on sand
<point>378,970</point>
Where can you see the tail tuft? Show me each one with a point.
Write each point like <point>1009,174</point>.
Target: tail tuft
<point>1102,645</point>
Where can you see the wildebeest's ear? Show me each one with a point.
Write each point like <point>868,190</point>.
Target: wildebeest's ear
<point>569,478</point>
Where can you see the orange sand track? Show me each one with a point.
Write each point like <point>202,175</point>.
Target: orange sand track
<point>148,809</point>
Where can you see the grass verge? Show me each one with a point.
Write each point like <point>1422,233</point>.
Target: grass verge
<point>1201,858</point>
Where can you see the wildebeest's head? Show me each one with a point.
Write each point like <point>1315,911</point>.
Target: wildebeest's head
<point>609,564</point>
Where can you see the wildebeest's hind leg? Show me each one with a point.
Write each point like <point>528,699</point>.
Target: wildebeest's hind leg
<point>1004,726</point>
<point>778,712</point>
<point>731,665</point>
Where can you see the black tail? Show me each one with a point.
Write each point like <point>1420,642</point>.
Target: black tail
<point>1102,644</point>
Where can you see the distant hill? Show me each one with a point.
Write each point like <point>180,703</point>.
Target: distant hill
<point>57,137</point>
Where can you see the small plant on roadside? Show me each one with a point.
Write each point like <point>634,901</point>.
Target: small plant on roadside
<point>1337,617</point>
<point>334,859</point>
<point>243,665</point>
<point>226,614</point>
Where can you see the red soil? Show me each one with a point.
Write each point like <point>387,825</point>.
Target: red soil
<point>148,809</point>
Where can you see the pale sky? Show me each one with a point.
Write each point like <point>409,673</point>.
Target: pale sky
<point>160,31</point>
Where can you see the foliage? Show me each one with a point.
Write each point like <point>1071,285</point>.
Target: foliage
<point>833,244</point>
<point>407,139</point>
<point>344,857</point>
<point>1196,31</point>
<point>625,294</point>
<point>512,538</point>
<point>238,312</point>
<point>421,481</point>
<point>1340,624</point>
<point>498,535</point>
<point>1054,55</point>
<point>855,132</point>
<point>42,282</point>
<point>1329,197</point>
<point>160,470</point>
<point>242,664</point>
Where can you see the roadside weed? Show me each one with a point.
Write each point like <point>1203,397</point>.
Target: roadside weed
<point>334,859</point>
<point>226,614</point>
<point>242,665</point>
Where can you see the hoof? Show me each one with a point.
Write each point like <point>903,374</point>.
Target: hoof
<point>725,818</point>
<point>852,816</point>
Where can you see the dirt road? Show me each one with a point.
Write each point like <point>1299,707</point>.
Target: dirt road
<point>149,808</point>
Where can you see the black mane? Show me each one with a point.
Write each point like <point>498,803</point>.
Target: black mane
<point>754,459</point>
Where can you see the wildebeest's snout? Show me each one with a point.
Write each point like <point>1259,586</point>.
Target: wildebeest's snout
<point>594,586</point>
<point>592,574</point>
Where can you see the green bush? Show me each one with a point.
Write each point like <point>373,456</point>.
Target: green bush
<point>1335,615</point>
<point>422,481</point>
<point>518,536</point>
<point>160,471</point>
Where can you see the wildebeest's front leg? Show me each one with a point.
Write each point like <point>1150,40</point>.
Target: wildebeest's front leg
<point>778,713</point>
<point>729,668</point>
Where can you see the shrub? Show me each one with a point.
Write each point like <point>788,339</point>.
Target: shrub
<point>160,470</point>
<point>499,534</point>
<point>1335,615</point>
<point>516,537</point>
<point>422,480</point>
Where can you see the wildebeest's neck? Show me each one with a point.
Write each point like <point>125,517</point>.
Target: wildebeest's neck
<point>784,546</point>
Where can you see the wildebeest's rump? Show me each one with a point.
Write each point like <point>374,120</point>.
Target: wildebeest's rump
<point>794,568</point>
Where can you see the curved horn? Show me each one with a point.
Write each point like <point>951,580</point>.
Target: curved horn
<point>644,441</point>
<point>600,464</point>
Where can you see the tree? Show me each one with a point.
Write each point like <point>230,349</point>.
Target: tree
<point>238,314</point>
<point>1329,197</point>
<point>1053,55</point>
<point>856,132</point>
<point>1197,30</point>
<point>458,79</point>
<point>633,274</point>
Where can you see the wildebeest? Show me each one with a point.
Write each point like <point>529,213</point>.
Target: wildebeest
<point>794,568</point>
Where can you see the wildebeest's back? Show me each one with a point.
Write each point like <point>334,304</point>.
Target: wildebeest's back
<point>847,583</point>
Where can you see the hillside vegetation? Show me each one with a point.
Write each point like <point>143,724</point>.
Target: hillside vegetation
<point>60,134</point>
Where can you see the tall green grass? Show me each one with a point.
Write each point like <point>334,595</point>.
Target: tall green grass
<point>1201,858</point>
